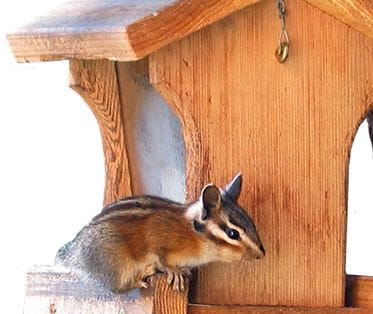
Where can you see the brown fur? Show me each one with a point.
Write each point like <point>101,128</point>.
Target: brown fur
<point>155,232</point>
<point>133,238</point>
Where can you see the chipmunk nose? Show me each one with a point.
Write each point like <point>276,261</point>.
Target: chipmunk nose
<point>261,248</point>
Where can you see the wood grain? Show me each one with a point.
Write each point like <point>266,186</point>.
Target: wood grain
<point>356,13</point>
<point>167,301</point>
<point>117,30</point>
<point>96,82</point>
<point>359,291</point>
<point>288,128</point>
<point>49,290</point>
<point>201,309</point>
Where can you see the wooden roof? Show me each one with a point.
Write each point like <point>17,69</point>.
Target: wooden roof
<point>128,30</point>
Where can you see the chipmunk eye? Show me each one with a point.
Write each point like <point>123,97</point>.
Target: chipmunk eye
<point>233,234</point>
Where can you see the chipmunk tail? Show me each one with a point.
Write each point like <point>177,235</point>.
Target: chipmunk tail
<point>65,255</point>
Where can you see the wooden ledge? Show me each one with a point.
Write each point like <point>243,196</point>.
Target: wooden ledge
<point>240,309</point>
<point>49,289</point>
<point>123,30</point>
<point>359,291</point>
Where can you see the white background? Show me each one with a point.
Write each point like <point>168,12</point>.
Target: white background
<point>51,166</point>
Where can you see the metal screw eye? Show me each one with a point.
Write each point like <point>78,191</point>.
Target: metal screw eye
<point>282,52</point>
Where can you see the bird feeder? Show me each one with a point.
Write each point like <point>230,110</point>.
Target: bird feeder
<point>189,92</point>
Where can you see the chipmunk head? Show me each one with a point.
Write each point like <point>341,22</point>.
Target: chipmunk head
<point>226,224</point>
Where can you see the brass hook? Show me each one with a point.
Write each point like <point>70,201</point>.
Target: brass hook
<point>282,51</point>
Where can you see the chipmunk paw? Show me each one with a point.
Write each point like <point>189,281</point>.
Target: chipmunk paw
<point>178,278</point>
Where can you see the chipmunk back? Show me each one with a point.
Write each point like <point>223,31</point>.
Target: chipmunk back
<point>133,239</point>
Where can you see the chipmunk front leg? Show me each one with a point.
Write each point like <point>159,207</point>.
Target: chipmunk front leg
<point>147,275</point>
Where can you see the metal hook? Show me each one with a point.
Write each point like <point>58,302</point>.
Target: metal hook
<point>281,8</point>
<point>282,51</point>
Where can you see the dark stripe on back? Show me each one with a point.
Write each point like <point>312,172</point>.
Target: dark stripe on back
<point>146,202</point>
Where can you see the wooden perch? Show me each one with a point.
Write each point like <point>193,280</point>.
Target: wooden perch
<point>60,292</point>
<point>51,291</point>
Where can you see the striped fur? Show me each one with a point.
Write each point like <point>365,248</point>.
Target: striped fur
<point>135,237</point>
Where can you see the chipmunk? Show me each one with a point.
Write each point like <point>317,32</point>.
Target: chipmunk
<point>134,238</point>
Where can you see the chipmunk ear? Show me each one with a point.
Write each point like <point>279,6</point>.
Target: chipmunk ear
<point>211,198</point>
<point>233,189</point>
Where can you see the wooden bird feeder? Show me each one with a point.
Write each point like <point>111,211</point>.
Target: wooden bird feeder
<point>203,76</point>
